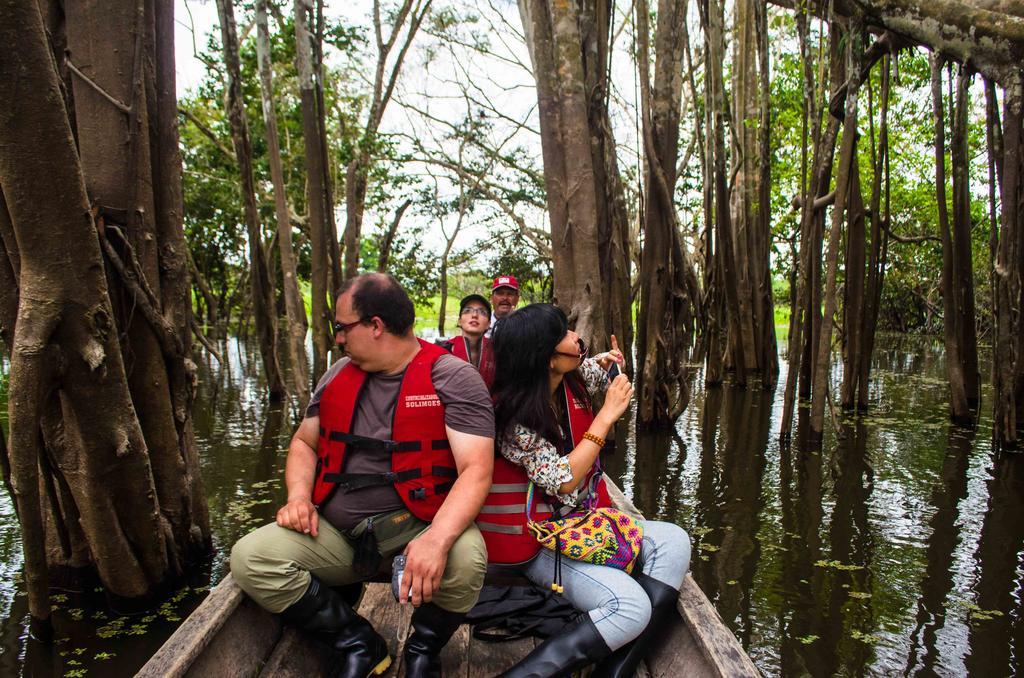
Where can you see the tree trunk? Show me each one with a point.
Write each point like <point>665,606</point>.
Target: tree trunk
<point>1007,355</point>
<point>738,343</point>
<point>963,261</point>
<point>121,491</point>
<point>207,295</point>
<point>295,310</point>
<point>260,284</point>
<point>847,156</point>
<point>316,204</point>
<point>389,238</point>
<point>879,244</point>
<point>613,233</point>
<point>805,317</point>
<point>854,291</point>
<point>666,318</point>
<point>556,45</point>
<point>753,320</point>
<point>960,410</point>
<point>331,236</point>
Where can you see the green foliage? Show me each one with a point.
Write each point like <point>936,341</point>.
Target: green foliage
<point>214,219</point>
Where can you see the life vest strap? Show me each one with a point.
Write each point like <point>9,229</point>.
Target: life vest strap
<point>355,440</point>
<point>355,481</point>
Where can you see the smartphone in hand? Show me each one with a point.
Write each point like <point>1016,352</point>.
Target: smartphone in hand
<point>397,570</point>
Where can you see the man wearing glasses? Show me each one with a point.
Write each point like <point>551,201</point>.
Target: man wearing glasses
<point>473,346</point>
<point>395,454</point>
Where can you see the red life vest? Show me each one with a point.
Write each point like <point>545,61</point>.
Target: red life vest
<point>502,520</point>
<point>422,467</point>
<point>460,349</point>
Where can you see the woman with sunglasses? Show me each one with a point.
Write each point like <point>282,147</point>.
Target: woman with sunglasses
<point>547,430</point>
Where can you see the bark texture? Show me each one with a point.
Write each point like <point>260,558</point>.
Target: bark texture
<point>103,460</point>
<point>1008,348</point>
<point>568,43</point>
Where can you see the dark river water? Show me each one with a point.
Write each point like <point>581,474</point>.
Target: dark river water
<point>896,550</point>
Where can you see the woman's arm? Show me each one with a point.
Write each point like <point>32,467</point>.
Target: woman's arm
<point>556,474</point>
<point>544,466</point>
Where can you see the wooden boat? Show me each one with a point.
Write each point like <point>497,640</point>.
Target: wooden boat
<point>230,635</point>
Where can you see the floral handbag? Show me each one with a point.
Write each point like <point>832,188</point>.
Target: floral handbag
<point>603,536</point>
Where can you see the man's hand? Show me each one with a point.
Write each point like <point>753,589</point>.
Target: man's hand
<point>424,565</point>
<point>299,515</point>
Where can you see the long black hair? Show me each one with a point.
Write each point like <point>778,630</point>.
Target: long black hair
<point>524,342</point>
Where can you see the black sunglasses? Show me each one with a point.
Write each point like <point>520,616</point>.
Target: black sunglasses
<point>345,327</point>
<point>584,349</point>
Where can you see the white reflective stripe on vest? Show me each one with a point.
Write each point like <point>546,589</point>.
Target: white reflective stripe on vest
<point>509,487</point>
<point>503,529</point>
<point>513,508</point>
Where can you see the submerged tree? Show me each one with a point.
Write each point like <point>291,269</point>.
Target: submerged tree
<point>295,311</point>
<point>668,288</point>
<point>103,460</point>
<point>261,285</point>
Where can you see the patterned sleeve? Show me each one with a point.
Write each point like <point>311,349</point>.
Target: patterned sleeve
<point>541,461</point>
<point>594,376</point>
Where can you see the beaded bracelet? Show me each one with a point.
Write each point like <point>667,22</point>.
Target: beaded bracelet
<point>598,440</point>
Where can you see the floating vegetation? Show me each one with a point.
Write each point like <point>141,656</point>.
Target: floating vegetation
<point>975,613</point>
<point>103,656</point>
<point>860,595</point>
<point>711,548</point>
<point>836,565</point>
<point>111,629</point>
<point>807,640</point>
<point>869,638</point>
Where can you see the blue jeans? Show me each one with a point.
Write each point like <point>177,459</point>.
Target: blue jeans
<point>618,606</point>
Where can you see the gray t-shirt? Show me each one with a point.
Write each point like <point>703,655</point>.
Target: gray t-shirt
<point>467,409</point>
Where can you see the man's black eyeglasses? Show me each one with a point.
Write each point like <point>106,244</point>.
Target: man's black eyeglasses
<point>345,327</point>
<point>584,349</point>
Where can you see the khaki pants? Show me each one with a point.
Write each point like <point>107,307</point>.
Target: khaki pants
<point>273,564</point>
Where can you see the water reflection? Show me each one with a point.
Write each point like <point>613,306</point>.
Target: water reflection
<point>938,581</point>
<point>997,635</point>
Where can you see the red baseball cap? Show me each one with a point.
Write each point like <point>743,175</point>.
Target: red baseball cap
<point>505,281</point>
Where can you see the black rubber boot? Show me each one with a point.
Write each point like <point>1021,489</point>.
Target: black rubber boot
<point>359,650</point>
<point>575,647</point>
<point>623,662</point>
<point>432,627</point>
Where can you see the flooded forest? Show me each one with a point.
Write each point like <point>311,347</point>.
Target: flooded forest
<point>802,221</point>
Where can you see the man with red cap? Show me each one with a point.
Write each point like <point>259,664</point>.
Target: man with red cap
<point>504,296</point>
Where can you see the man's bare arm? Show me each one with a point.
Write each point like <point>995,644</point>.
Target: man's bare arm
<point>427,555</point>
<point>299,513</point>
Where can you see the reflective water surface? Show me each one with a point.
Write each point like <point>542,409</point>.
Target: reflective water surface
<point>896,550</point>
